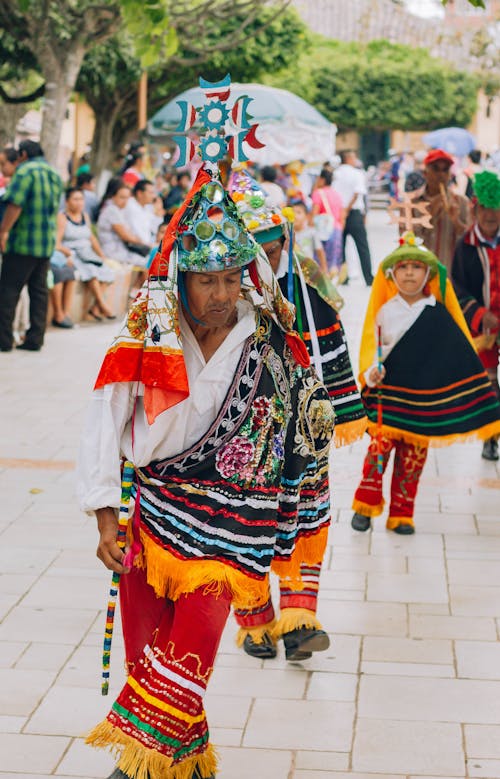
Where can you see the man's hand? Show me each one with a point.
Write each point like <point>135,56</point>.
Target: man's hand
<point>4,237</point>
<point>108,550</point>
<point>490,321</point>
<point>376,375</point>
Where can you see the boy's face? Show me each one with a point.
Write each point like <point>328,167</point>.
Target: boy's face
<point>300,217</point>
<point>410,276</point>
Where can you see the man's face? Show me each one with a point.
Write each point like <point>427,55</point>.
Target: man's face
<point>488,220</point>
<point>273,251</point>
<point>437,174</point>
<point>212,296</point>
<point>146,196</point>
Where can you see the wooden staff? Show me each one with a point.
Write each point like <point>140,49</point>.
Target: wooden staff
<point>380,457</point>
<point>444,196</point>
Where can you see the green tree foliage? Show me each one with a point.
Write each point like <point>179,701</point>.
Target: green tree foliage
<point>381,86</point>
<point>109,75</point>
<point>475,3</point>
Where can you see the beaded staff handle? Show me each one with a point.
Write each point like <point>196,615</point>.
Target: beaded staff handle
<point>380,458</point>
<point>127,479</point>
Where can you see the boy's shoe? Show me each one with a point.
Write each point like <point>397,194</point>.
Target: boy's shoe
<point>360,522</point>
<point>404,530</point>
<point>302,642</point>
<point>490,449</point>
<point>264,651</point>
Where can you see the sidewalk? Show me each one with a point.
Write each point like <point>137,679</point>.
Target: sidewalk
<point>410,686</point>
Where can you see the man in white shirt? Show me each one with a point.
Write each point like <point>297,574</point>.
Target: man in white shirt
<point>139,212</point>
<point>349,182</point>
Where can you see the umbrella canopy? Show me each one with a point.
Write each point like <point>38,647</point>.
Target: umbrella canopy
<point>454,140</point>
<point>290,128</point>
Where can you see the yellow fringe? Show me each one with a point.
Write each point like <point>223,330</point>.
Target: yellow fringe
<point>142,763</point>
<point>257,633</point>
<point>481,434</point>
<point>349,432</point>
<point>292,619</point>
<point>308,550</point>
<point>393,522</point>
<point>364,508</point>
<point>171,577</point>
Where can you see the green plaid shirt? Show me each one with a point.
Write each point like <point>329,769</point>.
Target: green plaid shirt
<point>37,189</point>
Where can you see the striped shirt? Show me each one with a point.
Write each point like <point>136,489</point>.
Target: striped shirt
<point>36,188</point>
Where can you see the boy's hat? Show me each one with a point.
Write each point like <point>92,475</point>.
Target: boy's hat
<point>411,248</point>
<point>487,189</point>
<point>438,155</point>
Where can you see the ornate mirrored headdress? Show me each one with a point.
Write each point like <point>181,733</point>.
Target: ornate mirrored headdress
<point>211,235</point>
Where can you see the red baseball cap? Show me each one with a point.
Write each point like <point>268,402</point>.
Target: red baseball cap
<point>438,155</point>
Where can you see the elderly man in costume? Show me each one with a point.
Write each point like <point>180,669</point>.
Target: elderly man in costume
<point>316,301</point>
<point>476,278</point>
<point>450,212</point>
<point>208,396</point>
<point>423,383</point>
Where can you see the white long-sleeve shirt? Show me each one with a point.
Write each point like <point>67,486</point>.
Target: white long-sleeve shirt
<point>394,319</point>
<point>107,434</point>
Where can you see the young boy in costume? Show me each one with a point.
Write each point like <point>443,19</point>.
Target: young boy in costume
<point>423,383</point>
<point>476,279</point>
<point>317,321</point>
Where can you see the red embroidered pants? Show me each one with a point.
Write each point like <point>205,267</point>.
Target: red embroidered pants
<point>409,460</point>
<point>304,603</point>
<point>158,718</point>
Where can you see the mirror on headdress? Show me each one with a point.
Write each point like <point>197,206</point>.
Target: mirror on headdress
<point>214,192</point>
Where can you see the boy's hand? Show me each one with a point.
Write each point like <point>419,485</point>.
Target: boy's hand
<point>376,375</point>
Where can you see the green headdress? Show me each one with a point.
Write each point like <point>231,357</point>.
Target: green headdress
<point>487,189</point>
<point>412,248</point>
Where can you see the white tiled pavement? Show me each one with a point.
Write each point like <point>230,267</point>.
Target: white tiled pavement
<point>409,688</point>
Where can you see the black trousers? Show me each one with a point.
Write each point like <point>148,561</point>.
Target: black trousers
<point>355,226</point>
<point>18,270</point>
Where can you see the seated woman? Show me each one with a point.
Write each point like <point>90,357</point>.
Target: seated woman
<point>63,289</point>
<point>75,240</point>
<point>113,230</point>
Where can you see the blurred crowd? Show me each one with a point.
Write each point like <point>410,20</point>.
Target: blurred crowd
<point>81,238</point>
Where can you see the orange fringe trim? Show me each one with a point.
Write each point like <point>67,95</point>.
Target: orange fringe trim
<point>349,432</point>
<point>393,522</point>
<point>481,434</point>
<point>366,509</point>
<point>171,577</point>
<point>292,619</point>
<point>257,633</point>
<point>141,763</point>
<point>309,550</point>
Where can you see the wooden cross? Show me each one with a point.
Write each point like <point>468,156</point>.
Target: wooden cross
<point>406,218</point>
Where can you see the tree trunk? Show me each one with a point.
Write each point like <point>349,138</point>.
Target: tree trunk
<point>10,114</point>
<point>60,79</point>
<point>103,149</point>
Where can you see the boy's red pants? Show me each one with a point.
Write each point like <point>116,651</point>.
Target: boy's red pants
<point>409,460</point>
